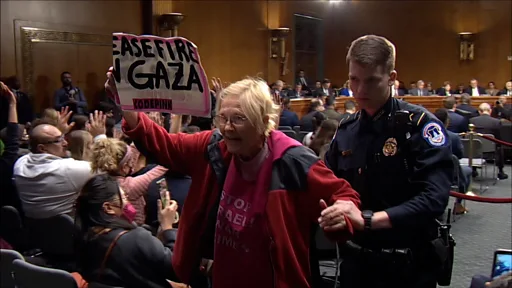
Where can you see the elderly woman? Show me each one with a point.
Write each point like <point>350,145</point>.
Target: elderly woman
<point>255,194</point>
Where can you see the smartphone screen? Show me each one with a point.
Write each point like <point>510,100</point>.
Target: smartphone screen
<point>162,187</point>
<point>502,263</point>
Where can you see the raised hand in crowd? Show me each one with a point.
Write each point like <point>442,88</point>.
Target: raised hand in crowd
<point>110,84</point>
<point>175,123</point>
<point>157,118</point>
<point>6,92</point>
<point>217,86</point>
<point>131,117</point>
<point>97,122</point>
<point>167,212</point>
<point>64,116</point>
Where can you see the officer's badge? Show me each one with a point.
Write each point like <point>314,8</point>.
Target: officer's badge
<point>433,134</point>
<point>390,147</point>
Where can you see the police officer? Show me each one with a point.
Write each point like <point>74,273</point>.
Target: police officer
<point>397,156</point>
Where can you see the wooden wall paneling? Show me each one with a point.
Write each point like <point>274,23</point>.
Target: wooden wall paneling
<point>50,59</point>
<point>231,36</point>
<point>95,17</point>
<point>425,34</point>
<point>92,62</point>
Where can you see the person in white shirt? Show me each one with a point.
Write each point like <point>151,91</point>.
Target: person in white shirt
<point>474,89</point>
<point>47,180</point>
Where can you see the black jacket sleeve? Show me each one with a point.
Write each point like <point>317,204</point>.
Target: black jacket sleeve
<point>159,253</point>
<point>11,147</point>
<point>432,175</point>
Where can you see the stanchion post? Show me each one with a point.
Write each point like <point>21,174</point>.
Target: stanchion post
<point>471,135</point>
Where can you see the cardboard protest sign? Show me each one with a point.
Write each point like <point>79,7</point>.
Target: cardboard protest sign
<point>160,74</point>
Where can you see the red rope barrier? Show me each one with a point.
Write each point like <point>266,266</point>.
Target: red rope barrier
<point>497,141</point>
<point>480,199</point>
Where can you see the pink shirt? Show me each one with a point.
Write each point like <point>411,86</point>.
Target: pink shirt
<point>242,240</point>
<point>136,187</point>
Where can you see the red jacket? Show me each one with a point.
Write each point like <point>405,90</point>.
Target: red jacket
<point>292,208</point>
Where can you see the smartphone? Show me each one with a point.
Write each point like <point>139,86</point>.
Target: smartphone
<point>502,263</point>
<point>162,187</point>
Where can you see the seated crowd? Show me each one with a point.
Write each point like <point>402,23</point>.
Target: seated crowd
<point>302,89</point>
<point>109,180</point>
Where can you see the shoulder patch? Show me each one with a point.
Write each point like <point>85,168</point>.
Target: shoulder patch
<point>433,133</point>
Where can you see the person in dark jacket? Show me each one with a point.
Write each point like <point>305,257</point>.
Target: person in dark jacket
<point>9,156</point>
<point>465,105</point>
<point>112,249</point>
<point>288,117</point>
<point>306,122</point>
<point>458,123</point>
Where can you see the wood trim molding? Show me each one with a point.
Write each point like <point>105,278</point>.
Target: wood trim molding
<point>27,33</point>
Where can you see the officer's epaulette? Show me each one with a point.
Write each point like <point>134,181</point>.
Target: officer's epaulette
<point>348,119</point>
<point>417,114</point>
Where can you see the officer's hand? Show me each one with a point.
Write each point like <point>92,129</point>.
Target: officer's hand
<point>331,218</point>
<point>353,213</point>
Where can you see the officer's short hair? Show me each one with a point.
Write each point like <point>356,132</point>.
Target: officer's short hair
<point>442,115</point>
<point>374,51</point>
<point>449,102</point>
<point>350,105</point>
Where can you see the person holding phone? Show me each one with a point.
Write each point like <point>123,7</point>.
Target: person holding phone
<point>103,215</point>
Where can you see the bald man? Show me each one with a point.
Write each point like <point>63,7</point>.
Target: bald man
<point>47,181</point>
<point>485,124</point>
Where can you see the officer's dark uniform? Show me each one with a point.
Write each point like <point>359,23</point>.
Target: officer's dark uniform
<point>401,165</point>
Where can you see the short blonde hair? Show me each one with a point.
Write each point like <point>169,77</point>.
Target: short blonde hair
<point>107,155</point>
<point>373,51</point>
<point>255,101</point>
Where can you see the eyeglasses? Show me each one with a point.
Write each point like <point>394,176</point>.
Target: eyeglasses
<point>236,120</point>
<point>56,141</point>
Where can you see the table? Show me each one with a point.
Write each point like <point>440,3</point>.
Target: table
<point>432,103</point>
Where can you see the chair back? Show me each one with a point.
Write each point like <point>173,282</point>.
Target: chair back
<point>27,275</point>
<point>285,128</point>
<point>290,133</point>
<point>11,227</point>
<point>296,129</point>
<point>477,148</point>
<point>487,145</point>
<point>7,257</point>
<point>301,135</point>
<point>55,235</point>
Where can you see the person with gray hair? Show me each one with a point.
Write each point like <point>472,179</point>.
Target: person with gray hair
<point>420,89</point>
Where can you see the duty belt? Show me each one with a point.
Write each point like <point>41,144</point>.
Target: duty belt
<point>403,255</point>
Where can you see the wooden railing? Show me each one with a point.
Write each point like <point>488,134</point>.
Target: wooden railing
<point>301,106</point>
